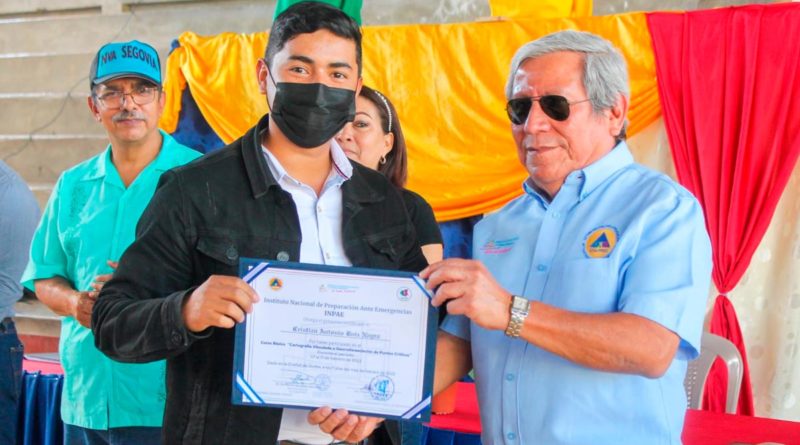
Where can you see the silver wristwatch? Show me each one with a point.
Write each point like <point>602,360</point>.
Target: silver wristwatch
<point>519,312</point>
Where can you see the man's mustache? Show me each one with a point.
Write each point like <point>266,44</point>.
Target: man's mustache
<point>128,115</point>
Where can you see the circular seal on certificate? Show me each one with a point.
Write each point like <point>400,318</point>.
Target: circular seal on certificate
<point>403,294</point>
<point>381,388</point>
<point>322,382</point>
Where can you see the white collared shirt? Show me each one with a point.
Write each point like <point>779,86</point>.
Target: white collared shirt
<point>321,229</point>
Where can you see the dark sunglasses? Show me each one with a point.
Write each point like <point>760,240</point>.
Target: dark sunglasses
<point>555,107</point>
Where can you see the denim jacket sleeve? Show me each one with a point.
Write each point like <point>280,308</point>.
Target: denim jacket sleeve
<point>138,315</point>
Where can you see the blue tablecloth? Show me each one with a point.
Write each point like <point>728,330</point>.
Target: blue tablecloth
<point>40,416</point>
<point>433,436</point>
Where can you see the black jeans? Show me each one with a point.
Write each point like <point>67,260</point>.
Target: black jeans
<point>10,380</point>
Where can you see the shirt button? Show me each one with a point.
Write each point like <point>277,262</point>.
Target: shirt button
<point>541,268</point>
<point>282,256</point>
<point>511,436</point>
<point>319,209</point>
<point>509,377</point>
<point>556,215</point>
<point>176,338</point>
<point>327,255</point>
<point>232,253</point>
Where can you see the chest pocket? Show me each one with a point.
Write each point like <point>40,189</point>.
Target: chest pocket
<point>218,255</point>
<point>584,285</point>
<point>386,249</point>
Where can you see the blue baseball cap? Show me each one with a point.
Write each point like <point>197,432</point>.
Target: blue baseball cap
<point>125,59</point>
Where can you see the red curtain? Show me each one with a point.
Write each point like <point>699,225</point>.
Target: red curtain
<point>730,92</point>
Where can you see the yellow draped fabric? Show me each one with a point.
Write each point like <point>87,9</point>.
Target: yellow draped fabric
<point>541,9</point>
<point>221,74</point>
<point>445,80</point>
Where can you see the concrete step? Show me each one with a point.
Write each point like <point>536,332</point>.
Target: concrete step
<point>57,73</point>
<point>47,113</point>
<point>156,24</point>
<point>42,194</point>
<point>34,318</point>
<point>11,7</point>
<point>41,160</point>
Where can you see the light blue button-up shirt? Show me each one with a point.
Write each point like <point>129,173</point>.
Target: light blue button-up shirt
<point>91,218</point>
<point>19,214</point>
<point>617,237</point>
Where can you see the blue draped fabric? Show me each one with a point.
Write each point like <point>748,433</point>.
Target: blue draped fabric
<point>457,236</point>
<point>40,415</point>
<point>442,437</point>
<point>40,422</point>
<point>193,130</point>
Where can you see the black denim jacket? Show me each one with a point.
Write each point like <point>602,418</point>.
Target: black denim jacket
<point>203,217</point>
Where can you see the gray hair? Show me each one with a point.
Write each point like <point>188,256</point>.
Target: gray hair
<point>605,74</point>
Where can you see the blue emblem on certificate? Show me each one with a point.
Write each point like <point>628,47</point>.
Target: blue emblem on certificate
<point>381,388</point>
<point>359,339</point>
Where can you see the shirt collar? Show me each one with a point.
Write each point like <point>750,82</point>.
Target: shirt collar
<point>591,176</point>
<point>101,166</point>
<point>97,166</point>
<point>340,160</point>
<point>599,171</point>
<point>341,170</point>
<point>531,191</point>
<point>169,156</point>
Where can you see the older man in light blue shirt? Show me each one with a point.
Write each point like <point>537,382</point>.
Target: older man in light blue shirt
<point>588,293</point>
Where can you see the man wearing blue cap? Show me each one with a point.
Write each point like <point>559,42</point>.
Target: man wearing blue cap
<point>89,222</point>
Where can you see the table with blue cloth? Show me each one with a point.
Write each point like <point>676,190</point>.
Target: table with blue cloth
<point>40,418</point>
<point>40,404</point>
<point>433,436</point>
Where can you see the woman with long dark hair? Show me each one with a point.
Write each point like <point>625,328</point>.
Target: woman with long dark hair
<point>375,140</point>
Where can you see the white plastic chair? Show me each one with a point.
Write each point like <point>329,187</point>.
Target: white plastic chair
<point>711,347</point>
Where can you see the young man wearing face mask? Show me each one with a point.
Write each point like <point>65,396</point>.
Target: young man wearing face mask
<point>284,191</point>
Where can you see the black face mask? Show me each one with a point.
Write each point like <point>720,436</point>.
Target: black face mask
<point>310,114</point>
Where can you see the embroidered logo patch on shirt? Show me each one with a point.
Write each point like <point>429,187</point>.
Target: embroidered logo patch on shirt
<point>496,247</point>
<point>600,242</point>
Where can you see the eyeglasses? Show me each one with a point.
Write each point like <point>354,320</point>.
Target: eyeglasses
<point>555,107</point>
<point>139,96</point>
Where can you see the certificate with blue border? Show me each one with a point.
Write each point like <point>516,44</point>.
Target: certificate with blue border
<point>359,339</point>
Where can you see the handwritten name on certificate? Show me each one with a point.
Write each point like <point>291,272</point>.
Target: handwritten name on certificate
<point>359,339</point>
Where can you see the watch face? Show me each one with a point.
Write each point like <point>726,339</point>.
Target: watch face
<point>519,303</point>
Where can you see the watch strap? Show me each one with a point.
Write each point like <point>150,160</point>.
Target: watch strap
<point>519,309</point>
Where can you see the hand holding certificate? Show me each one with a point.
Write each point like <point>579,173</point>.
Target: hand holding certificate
<point>357,339</point>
